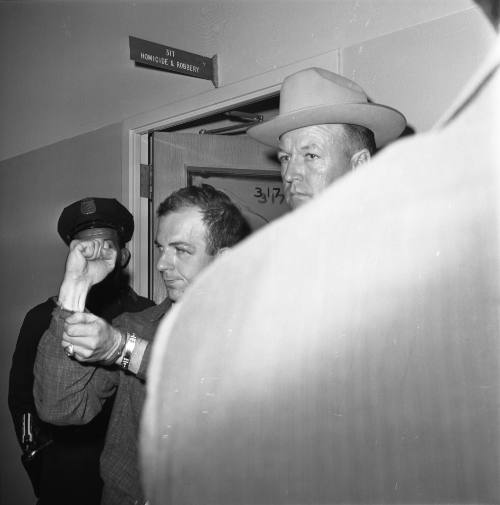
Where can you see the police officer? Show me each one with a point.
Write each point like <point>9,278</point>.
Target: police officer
<point>58,459</point>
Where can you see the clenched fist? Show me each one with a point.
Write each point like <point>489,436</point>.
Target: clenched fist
<point>90,260</point>
<point>88,263</point>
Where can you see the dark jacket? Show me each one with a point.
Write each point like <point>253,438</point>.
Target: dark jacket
<point>65,456</point>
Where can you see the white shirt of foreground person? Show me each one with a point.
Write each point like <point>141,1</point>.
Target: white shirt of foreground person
<point>348,352</point>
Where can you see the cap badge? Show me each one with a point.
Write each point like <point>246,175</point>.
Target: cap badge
<point>88,206</point>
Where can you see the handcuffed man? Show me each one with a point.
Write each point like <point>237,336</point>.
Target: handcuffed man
<point>195,226</point>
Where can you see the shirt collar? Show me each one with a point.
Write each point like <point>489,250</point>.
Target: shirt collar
<point>159,311</point>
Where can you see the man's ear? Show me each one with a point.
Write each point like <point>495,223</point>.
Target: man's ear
<point>124,257</point>
<point>359,158</point>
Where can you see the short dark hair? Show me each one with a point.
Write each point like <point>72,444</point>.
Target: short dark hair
<point>359,137</point>
<point>492,10</point>
<point>225,223</point>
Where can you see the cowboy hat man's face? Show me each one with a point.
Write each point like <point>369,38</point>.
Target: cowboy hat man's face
<point>311,159</point>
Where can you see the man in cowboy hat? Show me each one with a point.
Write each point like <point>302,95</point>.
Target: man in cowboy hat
<point>325,127</point>
<point>348,352</point>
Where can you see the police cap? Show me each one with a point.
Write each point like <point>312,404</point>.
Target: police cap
<point>95,213</point>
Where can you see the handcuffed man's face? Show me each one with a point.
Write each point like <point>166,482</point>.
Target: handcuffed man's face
<point>182,243</point>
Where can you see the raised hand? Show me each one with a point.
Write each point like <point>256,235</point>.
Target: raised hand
<point>90,260</point>
<point>88,263</point>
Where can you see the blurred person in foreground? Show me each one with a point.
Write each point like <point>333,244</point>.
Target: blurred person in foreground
<point>349,352</point>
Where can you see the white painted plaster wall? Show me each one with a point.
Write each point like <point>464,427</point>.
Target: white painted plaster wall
<point>66,67</point>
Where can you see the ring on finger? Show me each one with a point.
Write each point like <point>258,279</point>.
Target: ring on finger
<point>69,350</point>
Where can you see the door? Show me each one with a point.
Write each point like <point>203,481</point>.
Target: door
<point>244,169</point>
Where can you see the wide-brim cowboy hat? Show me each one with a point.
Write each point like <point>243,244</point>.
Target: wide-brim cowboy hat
<point>317,96</point>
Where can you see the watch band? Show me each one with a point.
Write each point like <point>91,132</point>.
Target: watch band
<point>129,349</point>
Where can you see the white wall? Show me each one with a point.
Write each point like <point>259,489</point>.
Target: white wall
<point>426,72</point>
<point>66,67</point>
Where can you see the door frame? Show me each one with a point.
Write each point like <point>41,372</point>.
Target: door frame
<point>135,148</point>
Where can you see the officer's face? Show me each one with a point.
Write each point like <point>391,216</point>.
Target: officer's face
<point>311,158</point>
<point>181,241</point>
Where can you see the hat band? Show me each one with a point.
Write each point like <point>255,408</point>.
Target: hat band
<point>94,224</point>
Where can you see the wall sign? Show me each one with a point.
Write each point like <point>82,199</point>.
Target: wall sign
<point>174,60</point>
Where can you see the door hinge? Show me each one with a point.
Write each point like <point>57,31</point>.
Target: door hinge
<point>147,181</point>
